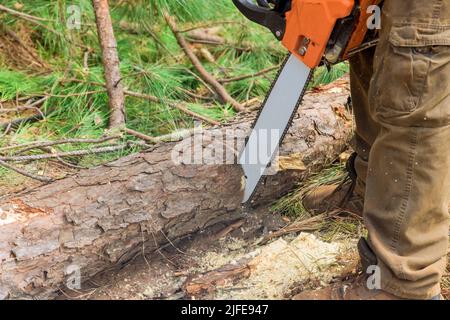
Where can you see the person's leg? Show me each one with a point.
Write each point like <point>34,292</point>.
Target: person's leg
<point>408,172</point>
<point>366,129</point>
<point>349,195</point>
<point>408,180</point>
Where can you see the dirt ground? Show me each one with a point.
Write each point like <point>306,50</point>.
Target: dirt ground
<point>228,262</point>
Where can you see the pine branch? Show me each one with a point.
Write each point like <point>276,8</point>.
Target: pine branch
<point>111,63</point>
<point>220,90</point>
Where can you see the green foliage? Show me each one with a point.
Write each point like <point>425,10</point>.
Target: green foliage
<point>324,76</point>
<point>333,225</point>
<point>184,10</point>
<point>151,63</point>
<point>291,204</point>
<point>14,84</point>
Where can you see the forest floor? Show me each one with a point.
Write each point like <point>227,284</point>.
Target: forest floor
<point>271,252</point>
<point>238,265</point>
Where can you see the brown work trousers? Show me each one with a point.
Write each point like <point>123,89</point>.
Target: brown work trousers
<point>401,99</point>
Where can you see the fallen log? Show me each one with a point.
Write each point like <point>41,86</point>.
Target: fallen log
<point>65,232</point>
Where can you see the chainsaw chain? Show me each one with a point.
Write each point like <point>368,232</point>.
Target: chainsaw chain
<point>294,113</point>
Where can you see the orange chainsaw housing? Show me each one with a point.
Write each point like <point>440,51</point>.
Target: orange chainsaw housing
<point>361,28</point>
<point>302,23</point>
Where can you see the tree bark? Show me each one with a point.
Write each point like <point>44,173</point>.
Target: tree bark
<point>100,217</point>
<point>111,63</point>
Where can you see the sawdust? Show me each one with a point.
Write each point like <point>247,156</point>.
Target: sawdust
<point>166,283</point>
<point>231,250</point>
<point>277,267</point>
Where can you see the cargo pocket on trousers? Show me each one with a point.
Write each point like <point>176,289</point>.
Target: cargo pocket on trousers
<point>400,83</point>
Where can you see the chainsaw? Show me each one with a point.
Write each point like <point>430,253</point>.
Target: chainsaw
<point>316,32</point>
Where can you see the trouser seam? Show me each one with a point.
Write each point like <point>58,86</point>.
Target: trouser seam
<point>407,193</point>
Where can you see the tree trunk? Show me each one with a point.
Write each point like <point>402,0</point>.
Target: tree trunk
<point>111,63</point>
<point>87,222</point>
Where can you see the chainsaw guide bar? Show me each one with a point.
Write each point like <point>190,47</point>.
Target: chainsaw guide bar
<point>273,122</point>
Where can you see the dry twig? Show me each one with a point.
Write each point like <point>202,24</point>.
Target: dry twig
<point>140,135</point>
<point>25,173</point>
<point>171,104</point>
<point>210,24</point>
<point>254,75</point>
<point>218,88</point>
<point>21,14</point>
<point>65,154</point>
<point>310,224</point>
<point>30,18</point>
<point>44,144</point>
<point>27,106</point>
<point>6,126</point>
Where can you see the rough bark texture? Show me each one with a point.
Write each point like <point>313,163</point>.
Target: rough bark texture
<point>111,63</point>
<point>101,216</point>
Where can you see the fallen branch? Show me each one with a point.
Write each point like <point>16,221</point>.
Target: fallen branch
<point>211,24</point>
<point>220,90</point>
<point>248,76</point>
<point>14,124</point>
<point>230,228</point>
<point>310,224</point>
<point>29,18</point>
<point>252,104</point>
<point>21,14</point>
<point>216,43</point>
<point>42,144</point>
<point>171,104</point>
<point>75,94</point>
<point>65,154</point>
<point>223,277</point>
<point>178,135</point>
<point>204,35</point>
<point>25,173</point>
<point>27,106</point>
<point>140,135</point>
